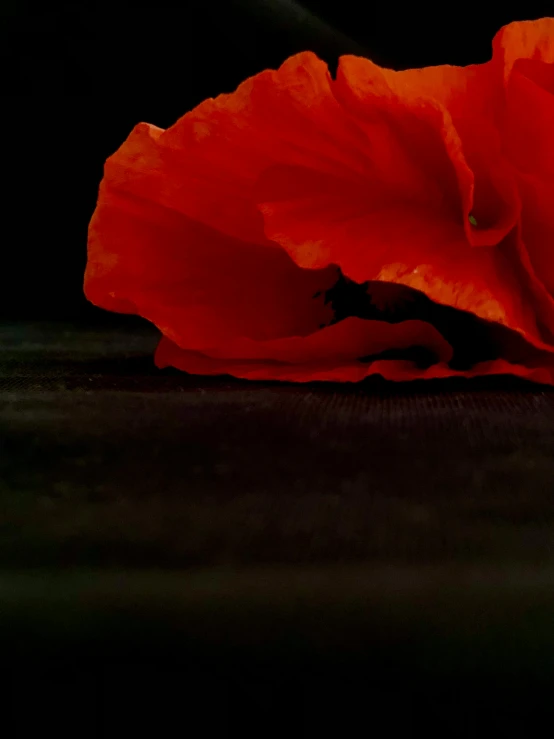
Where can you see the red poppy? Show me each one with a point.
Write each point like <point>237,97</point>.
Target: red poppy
<point>310,228</point>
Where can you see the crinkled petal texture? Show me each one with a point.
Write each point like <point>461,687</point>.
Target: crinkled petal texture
<point>524,59</point>
<point>229,229</point>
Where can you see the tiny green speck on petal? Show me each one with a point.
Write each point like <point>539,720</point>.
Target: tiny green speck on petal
<point>472,220</point>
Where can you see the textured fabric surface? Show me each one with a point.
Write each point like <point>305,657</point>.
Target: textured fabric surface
<point>107,460</point>
<point>265,514</point>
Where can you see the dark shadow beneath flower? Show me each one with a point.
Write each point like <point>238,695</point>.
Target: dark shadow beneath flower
<point>473,340</point>
<point>421,356</point>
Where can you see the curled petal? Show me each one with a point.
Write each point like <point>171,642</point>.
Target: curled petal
<point>528,122</point>
<point>349,339</point>
<point>197,285</point>
<point>170,355</point>
<point>537,231</point>
<point>451,154</point>
<point>145,167</point>
<point>397,243</point>
<point>523,40</point>
<point>524,52</point>
<point>217,151</point>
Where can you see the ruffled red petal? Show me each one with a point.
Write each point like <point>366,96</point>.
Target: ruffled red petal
<point>170,355</point>
<point>523,40</point>
<point>528,128</point>
<point>197,285</point>
<point>287,116</point>
<point>349,339</point>
<point>227,229</point>
<point>523,62</point>
<point>437,117</point>
<point>319,221</point>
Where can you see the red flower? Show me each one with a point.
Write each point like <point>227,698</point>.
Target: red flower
<point>307,228</point>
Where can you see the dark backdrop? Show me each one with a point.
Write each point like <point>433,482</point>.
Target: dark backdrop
<point>78,76</point>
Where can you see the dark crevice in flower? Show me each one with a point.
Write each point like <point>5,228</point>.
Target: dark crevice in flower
<point>472,339</point>
<point>421,356</point>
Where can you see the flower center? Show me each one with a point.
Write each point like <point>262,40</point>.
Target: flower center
<point>472,220</point>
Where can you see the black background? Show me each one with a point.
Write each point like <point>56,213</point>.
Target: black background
<point>78,76</point>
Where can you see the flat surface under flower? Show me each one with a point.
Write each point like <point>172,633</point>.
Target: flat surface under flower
<point>110,461</point>
<point>214,513</point>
